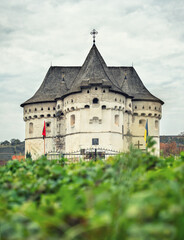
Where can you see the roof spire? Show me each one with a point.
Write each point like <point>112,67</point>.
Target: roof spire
<point>94,32</point>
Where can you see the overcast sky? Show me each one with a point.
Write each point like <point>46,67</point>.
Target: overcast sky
<point>149,33</point>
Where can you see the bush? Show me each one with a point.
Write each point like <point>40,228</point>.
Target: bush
<point>132,196</point>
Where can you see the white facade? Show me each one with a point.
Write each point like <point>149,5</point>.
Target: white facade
<point>117,122</point>
<point>89,107</point>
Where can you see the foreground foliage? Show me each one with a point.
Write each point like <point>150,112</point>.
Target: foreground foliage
<point>133,196</point>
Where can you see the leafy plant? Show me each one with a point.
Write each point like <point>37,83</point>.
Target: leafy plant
<point>132,196</point>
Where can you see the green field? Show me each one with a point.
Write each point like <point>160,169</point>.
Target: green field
<point>132,196</point>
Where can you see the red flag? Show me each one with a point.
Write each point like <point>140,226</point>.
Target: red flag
<point>44,131</point>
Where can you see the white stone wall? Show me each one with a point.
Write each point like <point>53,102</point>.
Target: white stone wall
<point>143,111</point>
<point>35,115</point>
<point>94,122</point>
<point>105,120</point>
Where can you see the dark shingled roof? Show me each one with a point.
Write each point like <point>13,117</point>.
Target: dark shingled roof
<point>62,81</point>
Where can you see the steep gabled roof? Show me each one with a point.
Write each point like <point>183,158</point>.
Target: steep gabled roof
<point>55,84</point>
<point>130,82</point>
<point>94,71</point>
<point>62,81</point>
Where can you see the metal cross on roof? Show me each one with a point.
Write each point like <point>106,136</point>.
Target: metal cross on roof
<point>94,32</point>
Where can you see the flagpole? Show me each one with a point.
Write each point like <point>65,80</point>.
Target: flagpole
<point>44,145</point>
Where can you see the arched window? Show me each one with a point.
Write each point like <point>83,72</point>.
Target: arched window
<point>48,115</point>
<point>58,106</point>
<point>41,109</point>
<point>87,91</point>
<point>72,120</point>
<point>35,109</point>
<point>35,116</point>
<point>115,99</point>
<point>142,123</point>
<point>48,108</point>
<point>86,106</point>
<point>142,107</point>
<point>149,107</point>
<point>135,107</point>
<point>116,120</point>
<point>156,124</point>
<point>95,100</point>
<point>31,127</point>
<point>130,105</point>
<point>96,88</point>
<point>104,91</point>
<point>29,110</point>
<point>103,107</point>
<point>42,116</point>
<point>48,127</point>
<point>54,108</point>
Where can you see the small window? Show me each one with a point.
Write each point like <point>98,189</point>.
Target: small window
<point>72,120</point>
<point>48,115</point>
<point>115,99</point>
<point>54,115</point>
<point>35,109</point>
<point>48,108</point>
<point>149,107</point>
<point>48,127</point>
<point>41,109</point>
<point>58,106</point>
<point>25,111</point>
<point>116,120</point>
<point>71,100</point>
<point>95,141</point>
<point>29,110</point>
<point>155,108</point>
<point>30,127</point>
<point>72,108</point>
<point>54,108</point>
<point>95,100</point>
<point>130,105</point>
<point>103,107</point>
<point>86,106</point>
<point>35,116</point>
<point>156,124</point>
<point>87,91</point>
<point>104,91</point>
<point>142,107</point>
<point>41,116</point>
<point>135,107</point>
<point>96,88</point>
<point>142,122</point>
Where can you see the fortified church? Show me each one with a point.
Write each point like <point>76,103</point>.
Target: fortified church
<point>92,106</point>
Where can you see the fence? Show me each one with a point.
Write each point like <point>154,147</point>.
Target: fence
<point>84,155</point>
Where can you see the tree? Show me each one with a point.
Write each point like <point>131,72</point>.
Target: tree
<point>5,143</point>
<point>15,141</point>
